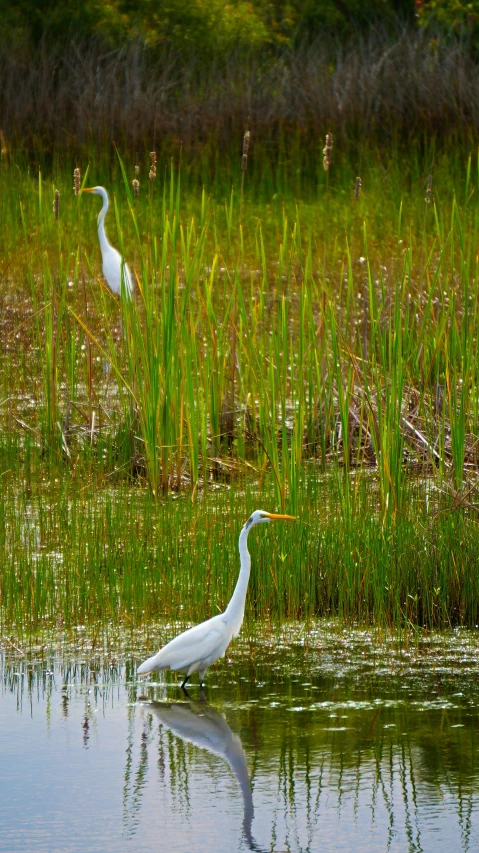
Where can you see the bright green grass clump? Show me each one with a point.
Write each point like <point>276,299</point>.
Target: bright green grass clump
<point>76,557</point>
<point>321,355</point>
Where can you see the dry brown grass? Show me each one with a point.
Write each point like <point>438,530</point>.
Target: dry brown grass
<point>87,93</point>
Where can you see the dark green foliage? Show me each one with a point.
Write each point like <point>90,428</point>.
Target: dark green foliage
<point>55,20</point>
<point>214,28</point>
<point>205,25</point>
<point>346,18</point>
<point>455,15</point>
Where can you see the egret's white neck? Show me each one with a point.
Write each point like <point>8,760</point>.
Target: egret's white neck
<point>104,244</point>
<point>234,613</point>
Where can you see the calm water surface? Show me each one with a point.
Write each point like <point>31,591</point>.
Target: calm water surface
<point>326,740</point>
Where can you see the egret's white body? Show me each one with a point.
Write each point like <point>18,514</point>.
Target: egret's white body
<point>114,267</point>
<point>197,648</point>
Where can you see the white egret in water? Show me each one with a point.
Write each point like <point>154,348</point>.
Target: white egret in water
<point>197,648</point>
<point>114,267</point>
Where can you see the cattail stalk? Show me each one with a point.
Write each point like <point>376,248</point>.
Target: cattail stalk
<point>357,188</point>
<point>229,405</point>
<point>244,159</point>
<point>244,166</point>
<point>327,151</point>
<point>428,190</point>
<point>136,192</point>
<point>77,181</point>
<point>54,335</point>
<point>77,189</point>
<point>152,174</point>
<point>328,147</point>
<point>427,200</point>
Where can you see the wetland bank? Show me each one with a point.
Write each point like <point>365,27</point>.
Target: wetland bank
<point>297,341</point>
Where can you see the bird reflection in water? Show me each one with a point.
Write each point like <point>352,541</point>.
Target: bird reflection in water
<point>200,724</point>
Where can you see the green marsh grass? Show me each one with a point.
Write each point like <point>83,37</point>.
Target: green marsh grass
<point>327,369</point>
<point>121,556</point>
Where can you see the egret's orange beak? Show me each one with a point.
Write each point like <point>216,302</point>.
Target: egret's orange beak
<point>274,515</point>
<point>87,190</point>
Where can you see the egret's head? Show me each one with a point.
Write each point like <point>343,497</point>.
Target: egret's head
<point>260,515</point>
<point>94,190</point>
<point>101,191</point>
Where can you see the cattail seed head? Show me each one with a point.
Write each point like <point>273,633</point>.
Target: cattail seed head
<point>137,171</point>
<point>56,204</point>
<point>327,151</point>
<point>136,187</point>
<point>77,181</point>
<point>244,159</point>
<point>357,188</point>
<point>428,190</point>
<point>3,147</point>
<point>152,174</point>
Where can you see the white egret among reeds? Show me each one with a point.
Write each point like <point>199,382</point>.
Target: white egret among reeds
<point>114,267</point>
<point>197,648</point>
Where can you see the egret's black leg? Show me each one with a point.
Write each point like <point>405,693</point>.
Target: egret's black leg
<point>184,682</point>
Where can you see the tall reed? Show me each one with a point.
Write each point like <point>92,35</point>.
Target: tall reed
<point>368,373</point>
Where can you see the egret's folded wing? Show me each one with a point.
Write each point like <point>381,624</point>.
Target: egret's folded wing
<point>196,644</point>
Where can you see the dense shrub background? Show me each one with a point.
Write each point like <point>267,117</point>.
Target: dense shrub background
<point>219,25</point>
<point>191,75</point>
